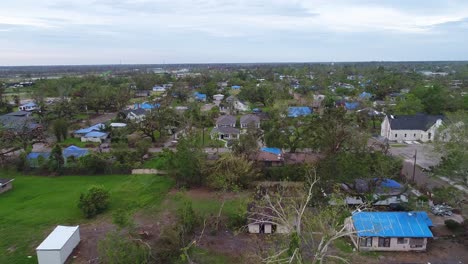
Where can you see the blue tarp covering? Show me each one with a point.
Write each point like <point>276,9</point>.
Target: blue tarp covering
<point>365,95</point>
<point>29,105</point>
<point>75,152</point>
<point>276,151</point>
<point>146,105</point>
<point>199,96</point>
<point>299,111</point>
<point>389,183</point>
<point>236,87</point>
<point>96,134</point>
<point>392,224</point>
<point>351,106</point>
<point>97,127</point>
<point>36,155</point>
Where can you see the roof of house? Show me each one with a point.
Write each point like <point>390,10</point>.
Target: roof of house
<point>226,130</point>
<point>365,95</point>
<point>96,127</point>
<point>199,96</point>
<point>249,119</point>
<point>413,122</point>
<point>95,134</point>
<point>299,111</point>
<point>146,105</point>
<point>30,104</point>
<point>138,111</point>
<point>58,238</point>
<point>275,151</point>
<point>392,224</point>
<point>36,155</point>
<point>4,181</point>
<point>236,87</point>
<point>226,120</point>
<point>351,105</point>
<point>17,120</point>
<point>301,158</point>
<point>74,151</point>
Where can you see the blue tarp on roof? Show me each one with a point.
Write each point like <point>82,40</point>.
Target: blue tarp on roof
<point>75,152</point>
<point>97,127</point>
<point>146,105</point>
<point>31,104</point>
<point>351,105</point>
<point>199,96</point>
<point>365,95</point>
<point>389,183</point>
<point>392,224</point>
<point>275,151</point>
<point>299,111</point>
<point>36,155</point>
<point>96,134</point>
<point>235,87</point>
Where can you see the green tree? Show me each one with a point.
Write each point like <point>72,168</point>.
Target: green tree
<point>56,160</point>
<point>94,201</point>
<point>187,162</point>
<point>60,128</point>
<point>409,105</point>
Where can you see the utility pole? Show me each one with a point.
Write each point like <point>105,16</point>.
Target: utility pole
<point>414,164</point>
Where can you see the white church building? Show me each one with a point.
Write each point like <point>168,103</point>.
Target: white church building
<point>420,127</point>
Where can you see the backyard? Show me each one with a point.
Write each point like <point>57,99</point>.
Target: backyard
<point>36,205</point>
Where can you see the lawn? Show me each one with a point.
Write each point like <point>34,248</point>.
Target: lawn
<point>37,204</point>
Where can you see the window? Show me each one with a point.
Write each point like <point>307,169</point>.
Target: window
<point>366,242</point>
<point>402,240</point>
<point>405,135</point>
<point>429,137</point>
<point>396,135</point>
<point>416,242</point>
<point>384,242</point>
<point>414,135</point>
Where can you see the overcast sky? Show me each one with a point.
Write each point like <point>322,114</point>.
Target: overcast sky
<point>42,32</point>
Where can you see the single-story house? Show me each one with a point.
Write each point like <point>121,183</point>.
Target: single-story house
<point>118,125</point>
<point>225,133</point>
<point>135,114</point>
<point>158,88</point>
<point>95,136</point>
<point>245,120</point>
<point>19,120</point>
<point>82,132</point>
<point>389,231</point>
<point>385,192</point>
<point>74,151</point>
<point>58,246</point>
<point>420,127</point>
<point>298,111</point>
<point>199,97</point>
<point>260,221</point>
<point>241,106</point>
<point>226,121</point>
<point>269,157</point>
<point>218,97</point>
<point>5,185</point>
<point>236,87</point>
<point>28,107</point>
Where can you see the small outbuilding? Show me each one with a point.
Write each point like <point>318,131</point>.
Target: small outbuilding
<point>5,185</point>
<point>56,248</point>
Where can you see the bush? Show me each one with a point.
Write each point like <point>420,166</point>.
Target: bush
<point>94,201</point>
<point>452,225</point>
<point>118,249</point>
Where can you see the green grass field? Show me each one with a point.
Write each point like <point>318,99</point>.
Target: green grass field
<point>37,204</point>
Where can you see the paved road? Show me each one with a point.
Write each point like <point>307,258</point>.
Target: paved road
<point>426,157</point>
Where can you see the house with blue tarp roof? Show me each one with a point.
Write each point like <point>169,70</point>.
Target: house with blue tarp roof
<point>33,158</point>
<point>389,231</point>
<point>31,106</point>
<point>82,132</point>
<point>365,96</point>
<point>199,96</point>
<point>146,106</point>
<point>275,151</point>
<point>298,111</point>
<point>351,105</point>
<point>236,87</point>
<point>95,136</point>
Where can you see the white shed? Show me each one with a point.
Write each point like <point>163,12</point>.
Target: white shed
<point>56,248</point>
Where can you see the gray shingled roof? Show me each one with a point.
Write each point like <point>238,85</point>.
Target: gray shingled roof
<point>413,122</point>
<point>226,130</point>
<point>249,119</point>
<point>226,120</point>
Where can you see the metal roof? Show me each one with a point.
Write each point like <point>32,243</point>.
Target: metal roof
<point>58,238</point>
<point>96,127</point>
<point>95,134</point>
<point>392,224</point>
<point>74,151</point>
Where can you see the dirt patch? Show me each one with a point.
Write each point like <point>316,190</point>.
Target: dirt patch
<point>87,251</point>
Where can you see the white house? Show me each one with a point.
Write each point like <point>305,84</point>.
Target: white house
<point>28,107</point>
<point>389,231</point>
<point>420,127</point>
<point>56,248</point>
<point>218,97</point>
<point>94,136</point>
